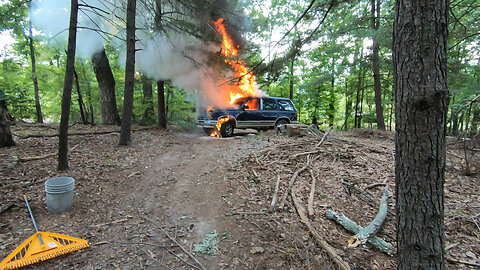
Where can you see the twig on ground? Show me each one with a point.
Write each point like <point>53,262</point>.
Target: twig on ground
<point>246,213</point>
<point>326,246</point>
<point>275,195</point>
<point>292,181</point>
<point>324,137</point>
<point>311,211</point>
<point>463,262</point>
<point>109,223</point>
<point>175,241</point>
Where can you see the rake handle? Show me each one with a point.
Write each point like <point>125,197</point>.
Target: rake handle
<point>33,219</point>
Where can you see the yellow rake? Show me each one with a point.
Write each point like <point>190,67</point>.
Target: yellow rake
<point>41,246</point>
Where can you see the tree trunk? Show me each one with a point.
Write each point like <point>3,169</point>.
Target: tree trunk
<point>129,75</point>
<point>358,116</point>
<point>6,138</point>
<point>81,106</point>
<point>162,118</point>
<point>106,84</point>
<point>291,78</point>
<point>67,89</point>
<point>89,96</point>
<point>475,122</point>
<point>34,75</point>
<point>376,69</point>
<point>148,101</point>
<point>421,102</point>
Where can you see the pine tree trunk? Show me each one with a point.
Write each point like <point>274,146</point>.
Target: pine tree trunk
<point>421,102</point>
<point>291,79</point>
<point>34,76</point>
<point>162,118</point>
<point>125,131</point>
<point>89,96</point>
<point>106,84</point>
<point>376,68</point>
<point>475,122</point>
<point>148,100</point>
<point>67,89</point>
<point>81,106</point>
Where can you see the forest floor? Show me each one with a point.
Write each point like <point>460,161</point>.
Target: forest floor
<point>187,185</point>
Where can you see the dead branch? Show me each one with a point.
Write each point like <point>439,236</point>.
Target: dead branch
<point>375,185</point>
<point>324,137</point>
<point>353,227</point>
<point>109,223</point>
<point>326,246</point>
<point>307,153</point>
<point>275,195</point>
<point>245,213</point>
<point>292,181</point>
<point>362,236</point>
<point>363,195</point>
<point>6,207</point>
<point>312,195</point>
<point>77,133</point>
<point>25,159</point>
<point>175,241</point>
<point>463,262</point>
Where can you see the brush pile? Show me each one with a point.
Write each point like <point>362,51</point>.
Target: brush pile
<point>347,173</point>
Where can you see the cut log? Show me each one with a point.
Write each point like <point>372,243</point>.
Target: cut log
<point>353,227</point>
<point>319,239</point>
<point>362,236</point>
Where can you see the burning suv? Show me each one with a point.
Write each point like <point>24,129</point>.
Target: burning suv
<point>250,112</point>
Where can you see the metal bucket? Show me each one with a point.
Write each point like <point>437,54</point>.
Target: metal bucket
<point>59,192</point>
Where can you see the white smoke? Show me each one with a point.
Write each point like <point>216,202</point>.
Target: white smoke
<point>182,59</point>
<point>186,62</point>
<point>52,18</point>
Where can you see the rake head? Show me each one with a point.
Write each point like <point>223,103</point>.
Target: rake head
<point>32,250</point>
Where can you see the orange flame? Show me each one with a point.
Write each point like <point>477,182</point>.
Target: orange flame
<point>247,85</point>
<point>218,126</point>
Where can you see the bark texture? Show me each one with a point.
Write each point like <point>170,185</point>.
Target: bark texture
<point>6,138</point>
<point>125,131</point>
<point>34,76</point>
<point>421,101</point>
<point>162,116</point>
<point>67,89</point>
<point>106,83</point>
<point>375,9</point>
<point>148,113</point>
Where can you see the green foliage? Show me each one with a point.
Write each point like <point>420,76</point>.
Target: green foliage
<point>208,245</point>
<point>332,65</point>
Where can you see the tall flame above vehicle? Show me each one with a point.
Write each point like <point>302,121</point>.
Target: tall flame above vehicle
<point>246,85</point>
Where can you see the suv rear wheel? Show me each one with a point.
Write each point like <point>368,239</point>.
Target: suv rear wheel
<point>280,126</point>
<point>227,129</point>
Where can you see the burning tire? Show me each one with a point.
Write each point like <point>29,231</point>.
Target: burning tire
<point>227,129</point>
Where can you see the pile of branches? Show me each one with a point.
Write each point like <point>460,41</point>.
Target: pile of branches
<point>312,157</point>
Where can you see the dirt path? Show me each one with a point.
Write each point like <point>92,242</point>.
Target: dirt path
<point>191,185</point>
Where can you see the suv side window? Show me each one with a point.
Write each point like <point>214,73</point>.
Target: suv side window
<point>285,105</point>
<point>269,104</point>
<point>253,104</point>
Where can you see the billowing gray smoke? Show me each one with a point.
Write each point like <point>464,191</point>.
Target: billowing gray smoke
<point>180,58</point>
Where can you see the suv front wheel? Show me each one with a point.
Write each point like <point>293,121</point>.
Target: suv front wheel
<point>227,129</point>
